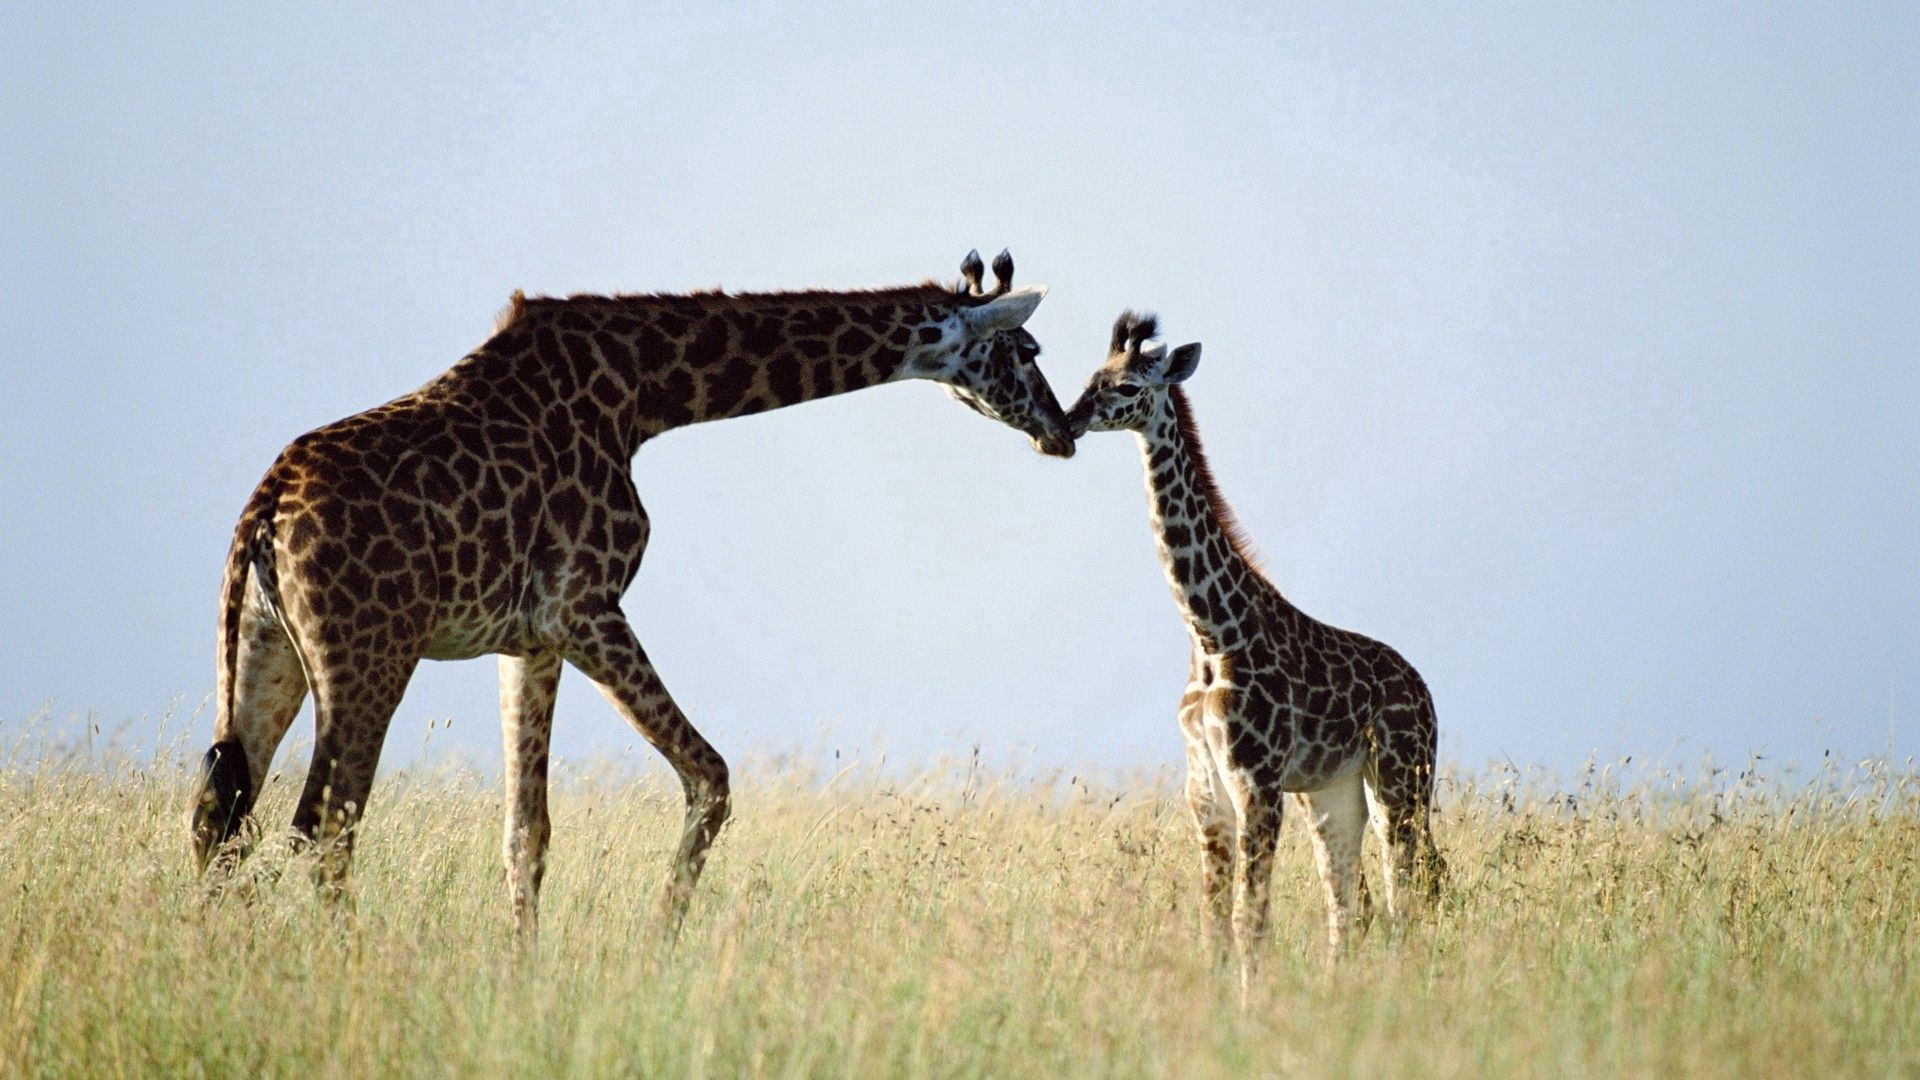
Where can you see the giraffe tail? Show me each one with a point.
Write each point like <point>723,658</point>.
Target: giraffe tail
<point>225,796</point>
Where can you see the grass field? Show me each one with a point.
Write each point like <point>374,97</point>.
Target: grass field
<point>961,925</point>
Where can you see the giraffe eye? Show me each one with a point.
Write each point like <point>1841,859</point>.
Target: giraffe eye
<point>1126,390</point>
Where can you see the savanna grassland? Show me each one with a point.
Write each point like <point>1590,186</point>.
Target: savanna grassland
<point>959,924</point>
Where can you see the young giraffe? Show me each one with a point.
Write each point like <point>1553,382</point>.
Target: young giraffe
<point>493,511</point>
<point>1277,703</point>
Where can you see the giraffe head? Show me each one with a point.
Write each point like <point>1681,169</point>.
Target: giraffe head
<point>988,361</point>
<point>1129,389</point>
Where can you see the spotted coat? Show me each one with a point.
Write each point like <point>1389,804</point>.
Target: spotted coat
<point>493,510</point>
<point>1278,705</point>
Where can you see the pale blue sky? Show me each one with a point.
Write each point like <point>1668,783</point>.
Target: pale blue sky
<point>1573,354</point>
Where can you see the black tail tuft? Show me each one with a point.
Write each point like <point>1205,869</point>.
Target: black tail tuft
<point>226,797</point>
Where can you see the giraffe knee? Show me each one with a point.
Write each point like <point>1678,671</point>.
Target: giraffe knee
<point>527,835</point>
<point>713,795</point>
<point>225,799</point>
<point>526,852</point>
<point>1216,848</point>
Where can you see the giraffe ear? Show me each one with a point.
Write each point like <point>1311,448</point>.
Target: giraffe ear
<point>1004,312</point>
<point>1180,365</point>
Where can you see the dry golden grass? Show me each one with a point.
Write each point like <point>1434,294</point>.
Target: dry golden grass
<point>952,925</point>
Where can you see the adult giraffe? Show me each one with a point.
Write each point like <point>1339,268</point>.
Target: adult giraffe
<point>493,511</point>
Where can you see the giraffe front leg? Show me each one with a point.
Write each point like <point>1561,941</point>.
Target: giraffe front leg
<point>1213,819</point>
<point>606,649</point>
<point>1260,816</point>
<point>527,688</point>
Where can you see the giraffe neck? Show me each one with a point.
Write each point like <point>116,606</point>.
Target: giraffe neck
<point>1213,577</point>
<point>643,365</point>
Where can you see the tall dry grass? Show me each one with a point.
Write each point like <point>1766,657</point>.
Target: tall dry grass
<point>955,924</point>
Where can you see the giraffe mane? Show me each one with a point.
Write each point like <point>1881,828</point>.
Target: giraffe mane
<point>520,305</point>
<point>1217,503</point>
<point>516,307</point>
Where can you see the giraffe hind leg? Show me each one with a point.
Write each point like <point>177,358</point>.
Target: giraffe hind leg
<point>527,688</point>
<point>1337,816</point>
<point>354,700</point>
<point>1400,795</point>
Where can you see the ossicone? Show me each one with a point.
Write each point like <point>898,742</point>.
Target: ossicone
<point>1002,271</point>
<point>1132,328</point>
<point>971,269</point>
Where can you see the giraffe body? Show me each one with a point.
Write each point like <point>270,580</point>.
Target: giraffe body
<point>493,511</point>
<point>1279,707</point>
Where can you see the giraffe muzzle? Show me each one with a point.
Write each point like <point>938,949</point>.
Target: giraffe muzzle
<point>1054,445</point>
<point>1080,417</point>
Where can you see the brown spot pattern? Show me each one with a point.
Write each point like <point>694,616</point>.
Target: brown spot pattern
<point>493,511</point>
